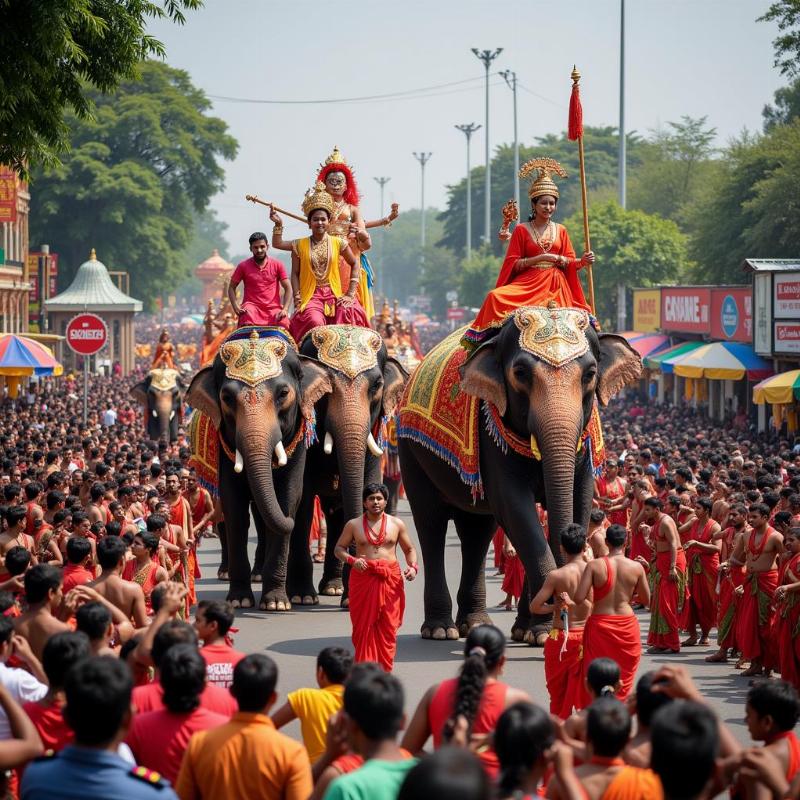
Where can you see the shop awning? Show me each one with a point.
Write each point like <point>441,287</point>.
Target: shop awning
<point>663,361</point>
<point>21,356</point>
<point>646,343</point>
<point>783,388</point>
<point>723,361</point>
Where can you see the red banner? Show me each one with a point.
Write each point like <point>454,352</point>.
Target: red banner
<point>732,314</point>
<point>8,195</point>
<point>685,309</point>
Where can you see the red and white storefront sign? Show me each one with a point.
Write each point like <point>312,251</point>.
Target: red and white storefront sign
<point>787,337</point>
<point>786,300</point>
<point>686,309</point>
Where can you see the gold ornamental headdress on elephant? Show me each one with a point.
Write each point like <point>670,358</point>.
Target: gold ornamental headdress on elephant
<point>350,349</point>
<point>542,183</point>
<point>553,334</point>
<point>163,379</point>
<point>318,199</point>
<point>257,356</point>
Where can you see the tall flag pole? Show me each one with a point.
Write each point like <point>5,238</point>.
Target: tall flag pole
<point>575,132</point>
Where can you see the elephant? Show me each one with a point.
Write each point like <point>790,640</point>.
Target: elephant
<point>161,396</point>
<point>259,393</point>
<point>367,384</point>
<point>538,379</point>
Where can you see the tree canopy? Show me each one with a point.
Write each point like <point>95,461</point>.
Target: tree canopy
<point>787,44</point>
<point>136,174</point>
<point>56,55</point>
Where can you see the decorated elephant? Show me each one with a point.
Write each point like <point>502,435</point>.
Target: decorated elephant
<point>161,396</point>
<point>366,386</point>
<point>258,396</point>
<point>485,436</point>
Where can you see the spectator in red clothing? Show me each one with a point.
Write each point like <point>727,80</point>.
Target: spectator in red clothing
<point>158,739</point>
<point>76,570</point>
<point>61,653</point>
<point>212,622</point>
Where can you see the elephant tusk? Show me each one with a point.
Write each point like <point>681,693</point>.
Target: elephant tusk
<point>280,454</point>
<point>373,446</point>
<point>534,447</point>
<point>239,463</point>
<point>327,445</point>
<point>171,416</point>
<point>155,413</point>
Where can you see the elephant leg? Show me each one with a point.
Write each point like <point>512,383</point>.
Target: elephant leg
<point>261,548</point>
<point>300,570</point>
<point>333,581</point>
<point>475,531</point>
<point>222,533</point>
<point>273,595</point>
<point>235,497</point>
<point>393,485</point>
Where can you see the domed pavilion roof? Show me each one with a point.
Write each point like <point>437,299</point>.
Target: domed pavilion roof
<point>214,265</point>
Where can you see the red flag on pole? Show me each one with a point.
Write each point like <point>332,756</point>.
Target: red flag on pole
<point>575,122</point>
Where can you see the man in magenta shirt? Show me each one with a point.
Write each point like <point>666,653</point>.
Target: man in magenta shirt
<point>263,279</point>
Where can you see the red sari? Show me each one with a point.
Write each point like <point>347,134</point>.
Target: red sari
<point>703,567</point>
<point>756,614</point>
<point>530,287</point>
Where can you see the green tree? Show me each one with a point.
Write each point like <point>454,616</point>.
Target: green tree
<point>54,53</point>
<point>786,106</point>
<point>787,45</point>
<point>477,277</point>
<point>602,150</point>
<point>135,175</point>
<point>632,248</point>
<point>438,276</point>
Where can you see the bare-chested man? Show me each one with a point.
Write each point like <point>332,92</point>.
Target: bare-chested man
<point>44,596</point>
<point>125,595</point>
<point>377,596</point>
<point>612,629</point>
<point>759,552</point>
<point>564,647</point>
<point>596,534</point>
<point>15,536</point>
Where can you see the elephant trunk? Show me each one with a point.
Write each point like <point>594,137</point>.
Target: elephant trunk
<point>257,464</point>
<point>163,414</point>
<point>351,447</point>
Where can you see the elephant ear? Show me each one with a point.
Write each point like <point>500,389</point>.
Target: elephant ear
<point>394,381</point>
<point>139,391</point>
<point>202,395</point>
<point>482,376</point>
<point>619,364</point>
<point>315,383</point>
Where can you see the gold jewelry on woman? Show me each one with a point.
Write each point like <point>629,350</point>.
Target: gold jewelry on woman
<point>546,238</point>
<point>320,257</point>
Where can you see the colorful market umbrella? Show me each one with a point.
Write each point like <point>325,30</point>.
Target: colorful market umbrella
<point>783,388</point>
<point>663,360</point>
<point>20,356</point>
<point>646,343</point>
<point>723,361</point>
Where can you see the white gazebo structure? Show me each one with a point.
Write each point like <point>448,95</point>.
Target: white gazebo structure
<point>93,291</point>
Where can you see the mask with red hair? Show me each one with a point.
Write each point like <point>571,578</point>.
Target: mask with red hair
<point>335,163</point>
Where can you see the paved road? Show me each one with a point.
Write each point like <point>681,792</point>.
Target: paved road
<point>294,638</point>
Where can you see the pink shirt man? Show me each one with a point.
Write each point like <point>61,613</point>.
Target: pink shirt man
<point>261,303</point>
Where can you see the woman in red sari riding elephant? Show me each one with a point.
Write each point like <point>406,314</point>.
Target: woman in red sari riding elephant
<point>540,264</point>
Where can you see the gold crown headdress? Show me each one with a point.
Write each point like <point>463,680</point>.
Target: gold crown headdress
<point>253,360</point>
<point>335,157</point>
<point>316,199</point>
<point>543,183</point>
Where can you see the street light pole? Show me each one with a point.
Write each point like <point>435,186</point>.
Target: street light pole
<point>510,78</point>
<point>468,129</point>
<point>382,182</point>
<point>487,56</point>
<point>622,311</point>
<point>423,159</point>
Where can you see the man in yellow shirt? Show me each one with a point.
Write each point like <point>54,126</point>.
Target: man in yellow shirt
<point>314,707</point>
<point>246,757</point>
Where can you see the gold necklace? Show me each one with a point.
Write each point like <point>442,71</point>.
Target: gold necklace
<point>545,240</point>
<point>320,257</point>
<point>141,574</point>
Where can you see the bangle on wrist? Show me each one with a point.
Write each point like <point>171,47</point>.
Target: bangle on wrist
<point>350,560</point>
<point>414,566</point>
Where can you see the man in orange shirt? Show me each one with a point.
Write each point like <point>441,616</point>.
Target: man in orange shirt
<point>247,757</point>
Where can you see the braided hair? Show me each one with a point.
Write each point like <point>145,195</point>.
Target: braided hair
<point>483,650</point>
<point>523,733</point>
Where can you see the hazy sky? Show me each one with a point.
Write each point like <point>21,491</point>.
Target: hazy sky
<point>694,57</point>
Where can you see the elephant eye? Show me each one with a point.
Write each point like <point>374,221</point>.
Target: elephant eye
<point>377,385</point>
<point>589,376</point>
<point>283,393</point>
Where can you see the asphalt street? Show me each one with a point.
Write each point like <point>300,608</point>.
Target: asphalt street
<point>295,637</point>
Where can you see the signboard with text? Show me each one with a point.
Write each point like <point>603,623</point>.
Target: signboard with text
<point>646,310</point>
<point>786,295</point>
<point>8,195</point>
<point>686,309</point>
<point>456,313</point>
<point>787,337</point>
<point>732,314</point>
<point>86,334</point>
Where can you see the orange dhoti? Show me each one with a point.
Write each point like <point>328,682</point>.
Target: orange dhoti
<point>616,637</point>
<point>562,670</point>
<point>667,602</point>
<point>377,603</point>
<point>755,615</point>
<point>728,606</point>
<point>633,783</point>
<point>701,606</point>
<point>513,576</point>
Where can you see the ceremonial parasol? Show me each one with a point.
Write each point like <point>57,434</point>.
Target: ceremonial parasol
<point>21,356</point>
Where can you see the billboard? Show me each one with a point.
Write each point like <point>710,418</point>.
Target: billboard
<point>787,337</point>
<point>8,195</point>
<point>732,314</point>
<point>646,310</point>
<point>686,309</point>
<point>786,299</point>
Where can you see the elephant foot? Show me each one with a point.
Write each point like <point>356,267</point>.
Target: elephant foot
<point>276,600</point>
<point>222,575</point>
<point>518,634</point>
<point>241,598</point>
<point>344,602</point>
<point>467,623</point>
<point>535,639</point>
<point>255,577</point>
<point>439,630</point>
<point>304,600</point>
<point>332,587</point>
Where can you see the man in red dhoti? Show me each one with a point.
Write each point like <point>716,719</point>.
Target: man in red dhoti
<point>730,578</point>
<point>668,577</point>
<point>787,602</point>
<point>702,554</point>
<point>612,629</point>
<point>759,553</point>
<point>563,648</point>
<point>377,597</point>
<point>180,515</point>
<point>610,490</point>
